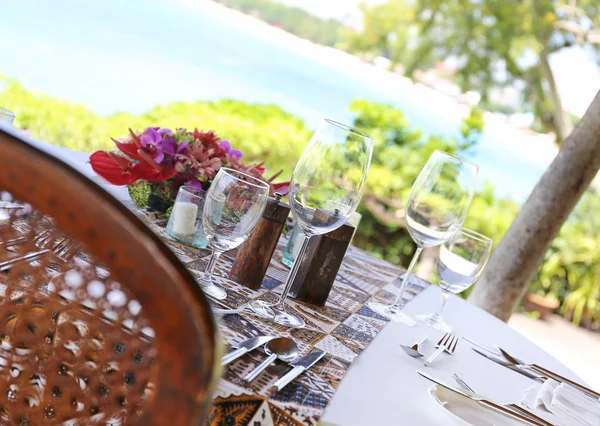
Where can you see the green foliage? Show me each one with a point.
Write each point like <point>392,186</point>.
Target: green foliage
<point>399,155</point>
<point>571,268</point>
<point>390,30</point>
<point>570,271</point>
<point>261,132</point>
<point>291,19</point>
<point>495,44</point>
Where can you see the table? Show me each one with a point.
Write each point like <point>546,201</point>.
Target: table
<point>382,387</point>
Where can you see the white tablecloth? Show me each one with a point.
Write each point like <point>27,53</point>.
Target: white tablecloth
<point>382,387</point>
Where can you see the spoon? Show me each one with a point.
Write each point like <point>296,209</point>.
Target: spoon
<point>282,348</point>
<point>414,349</point>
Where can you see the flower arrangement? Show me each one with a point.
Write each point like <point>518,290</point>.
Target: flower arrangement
<point>158,161</point>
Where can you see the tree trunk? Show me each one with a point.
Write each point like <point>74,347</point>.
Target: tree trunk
<point>522,249</point>
<point>562,119</point>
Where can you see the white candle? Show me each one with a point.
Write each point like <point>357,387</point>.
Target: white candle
<point>184,218</point>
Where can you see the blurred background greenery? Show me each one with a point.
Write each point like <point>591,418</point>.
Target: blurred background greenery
<point>569,273</point>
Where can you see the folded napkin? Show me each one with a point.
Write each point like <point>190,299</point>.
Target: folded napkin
<point>567,404</point>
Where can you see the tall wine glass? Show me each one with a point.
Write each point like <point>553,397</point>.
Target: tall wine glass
<point>437,208</point>
<point>234,204</point>
<point>326,187</point>
<point>459,264</point>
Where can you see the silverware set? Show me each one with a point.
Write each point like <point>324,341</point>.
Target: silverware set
<point>63,247</point>
<point>282,348</point>
<point>533,371</point>
<point>513,407</point>
<point>519,414</point>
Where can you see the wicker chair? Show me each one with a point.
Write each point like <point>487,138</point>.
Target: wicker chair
<point>99,321</point>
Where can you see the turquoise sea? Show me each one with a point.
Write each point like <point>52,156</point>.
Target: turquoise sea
<point>115,55</point>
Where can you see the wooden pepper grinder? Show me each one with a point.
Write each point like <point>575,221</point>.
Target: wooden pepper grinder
<point>319,266</point>
<point>254,255</point>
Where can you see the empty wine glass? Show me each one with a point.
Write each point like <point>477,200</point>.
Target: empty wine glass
<point>234,204</point>
<point>437,208</point>
<point>326,187</point>
<point>460,263</point>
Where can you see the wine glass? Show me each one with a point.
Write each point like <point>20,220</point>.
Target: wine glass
<point>459,264</point>
<point>234,204</point>
<point>326,187</point>
<point>437,208</point>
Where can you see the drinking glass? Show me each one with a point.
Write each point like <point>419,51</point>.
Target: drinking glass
<point>326,187</point>
<point>459,264</point>
<point>234,204</point>
<point>185,222</point>
<point>6,116</point>
<point>437,208</point>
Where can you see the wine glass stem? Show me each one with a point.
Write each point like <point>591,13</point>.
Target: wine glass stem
<point>445,296</point>
<point>407,276</point>
<point>293,272</point>
<point>211,265</point>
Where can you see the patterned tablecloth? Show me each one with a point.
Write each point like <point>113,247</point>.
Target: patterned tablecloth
<point>343,328</point>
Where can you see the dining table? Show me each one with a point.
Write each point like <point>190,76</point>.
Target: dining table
<point>381,385</point>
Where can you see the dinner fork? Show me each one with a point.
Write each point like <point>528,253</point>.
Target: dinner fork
<point>63,249</point>
<point>447,343</point>
<point>514,407</point>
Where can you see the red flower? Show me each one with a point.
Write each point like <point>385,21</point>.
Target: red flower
<point>116,170</point>
<point>282,188</point>
<point>150,173</point>
<point>130,149</point>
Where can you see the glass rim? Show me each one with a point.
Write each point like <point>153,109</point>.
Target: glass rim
<point>348,128</point>
<point>475,235</point>
<point>192,190</point>
<point>259,183</point>
<point>5,111</point>
<point>456,157</point>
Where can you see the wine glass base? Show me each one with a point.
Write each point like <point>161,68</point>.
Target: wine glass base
<point>392,313</point>
<point>435,321</point>
<point>212,290</point>
<point>276,314</point>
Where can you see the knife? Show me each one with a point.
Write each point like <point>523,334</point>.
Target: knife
<point>503,362</point>
<point>245,347</point>
<point>300,365</point>
<point>488,403</point>
<point>550,374</point>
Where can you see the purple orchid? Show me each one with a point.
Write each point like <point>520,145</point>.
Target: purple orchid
<point>151,141</point>
<point>234,153</point>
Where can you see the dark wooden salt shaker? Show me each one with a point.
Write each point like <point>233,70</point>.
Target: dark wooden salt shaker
<point>321,261</point>
<point>254,255</point>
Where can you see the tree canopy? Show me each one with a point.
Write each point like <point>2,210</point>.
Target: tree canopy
<point>494,44</point>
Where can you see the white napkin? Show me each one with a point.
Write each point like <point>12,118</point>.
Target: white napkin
<point>567,405</point>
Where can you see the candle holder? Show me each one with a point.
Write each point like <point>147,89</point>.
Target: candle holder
<point>185,222</point>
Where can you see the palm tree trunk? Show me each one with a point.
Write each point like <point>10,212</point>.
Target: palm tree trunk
<point>522,249</point>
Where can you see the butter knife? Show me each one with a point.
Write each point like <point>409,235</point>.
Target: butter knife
<point>541,370</point>
<point>300,365</point>
<point>504,363</point>
<point>245,347</point>
<point>488,403</point>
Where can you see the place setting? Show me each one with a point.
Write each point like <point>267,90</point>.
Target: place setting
<point>298,308</point>
<point>437,209</point>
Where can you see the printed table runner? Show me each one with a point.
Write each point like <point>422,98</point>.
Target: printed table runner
<point>343,328</point>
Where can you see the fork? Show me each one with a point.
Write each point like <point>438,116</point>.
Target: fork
<point>447,343</point>
<point>514,407</point>
<point>63,249</point>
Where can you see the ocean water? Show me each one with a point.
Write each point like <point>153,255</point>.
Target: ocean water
<point>130,55</point>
